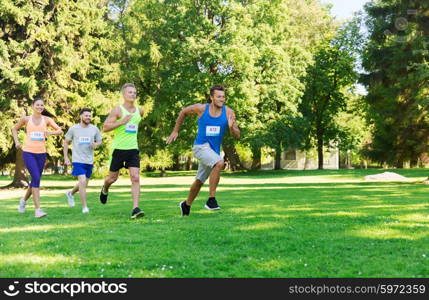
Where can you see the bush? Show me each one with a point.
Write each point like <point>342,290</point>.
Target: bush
<point>161,160</point>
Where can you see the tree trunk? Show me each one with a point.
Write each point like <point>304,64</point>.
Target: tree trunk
<point>278,159</point>
<point>400,163</point>
<point>232,156</point>
<point>414,162</point>
<point>57,166</point>
<point>176,162</point>
<point>306,161</point>
<point>348,160</point>
<point>256,159</point>
<point>320,152</point>
<point>189,163</point>
<point>19,178</point>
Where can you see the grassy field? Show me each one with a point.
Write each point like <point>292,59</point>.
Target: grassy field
<point>272,224</point>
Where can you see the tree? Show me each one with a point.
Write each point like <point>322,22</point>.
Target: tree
<point>258,49</point>
<point>161,160</point>
<point>354,131</point>
<point>327,79</point>
<point>395,59</point>
<point>58,50</point>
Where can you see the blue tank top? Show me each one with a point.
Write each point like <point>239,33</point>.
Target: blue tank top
<point>211,129</point>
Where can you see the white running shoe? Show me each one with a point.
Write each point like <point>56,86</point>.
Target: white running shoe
<point>39,213</point>
<point>70,198</point>
<point>21,207</point>
<point>85,210</point>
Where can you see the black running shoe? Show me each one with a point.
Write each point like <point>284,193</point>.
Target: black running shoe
<point>184,208</point>
<point>137,213</point>
<point>103,196</point>
<point>211,204</point>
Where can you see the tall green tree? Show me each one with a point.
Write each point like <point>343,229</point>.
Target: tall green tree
<point>258,49</point>
<point>354,130</point>
<point>58,50</point>
<point>396,61</point>
<point>326,82</point>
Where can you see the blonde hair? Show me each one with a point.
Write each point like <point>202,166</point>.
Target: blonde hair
<point>127,85</point>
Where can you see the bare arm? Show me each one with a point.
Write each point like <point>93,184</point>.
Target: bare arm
<point>22,121</point>
<point>110,123</point>
<point>232,123</point>
<point>52,124</point>
<point>66,151</point>
<point>196,109</point>
<point>98,139</point>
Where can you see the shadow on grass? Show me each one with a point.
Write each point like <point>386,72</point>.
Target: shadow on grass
<point>283,230</point>
<point>338,185</point>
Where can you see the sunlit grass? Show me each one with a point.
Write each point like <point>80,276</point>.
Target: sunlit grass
<point>31,258</point>
<point>261,226</point>
<point>391,233</point>
<point>272,224</point>
<point>34,228</point>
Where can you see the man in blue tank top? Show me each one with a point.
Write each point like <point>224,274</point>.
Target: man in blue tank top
<point>213,119</point>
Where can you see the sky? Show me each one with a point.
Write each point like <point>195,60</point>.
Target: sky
<point>344,9</point>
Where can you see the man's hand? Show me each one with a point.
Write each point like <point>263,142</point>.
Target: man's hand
<point>67,161</point>
<point>126,119</point>
<point>231,120</point>
<point>172,137</point>
<point>95,144</point>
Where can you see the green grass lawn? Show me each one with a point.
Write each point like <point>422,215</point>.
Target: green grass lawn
<point>272,224</point>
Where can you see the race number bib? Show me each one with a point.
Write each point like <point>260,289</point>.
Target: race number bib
<point>37,136</point>
<point>84,140</point>
<point>212,130</point>
<point>131,128</point>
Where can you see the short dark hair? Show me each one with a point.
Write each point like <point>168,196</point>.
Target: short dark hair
<point>85,109</point>
<point>216,87</point>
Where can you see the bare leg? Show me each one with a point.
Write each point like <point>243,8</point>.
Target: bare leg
<point>36,197</point>
<point>135,185</point>
<point>193,192</point>
<point>214,178</point>
<point>83,183</point>
<point>110,179</point>
<point>28,193</point>
<point>75,189</point>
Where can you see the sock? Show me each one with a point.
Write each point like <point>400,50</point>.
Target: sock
<point>212,198</point>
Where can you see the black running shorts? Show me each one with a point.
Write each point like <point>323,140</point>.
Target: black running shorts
<point>124,159</point>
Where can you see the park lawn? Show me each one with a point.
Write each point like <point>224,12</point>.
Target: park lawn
<point>272,224</point>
